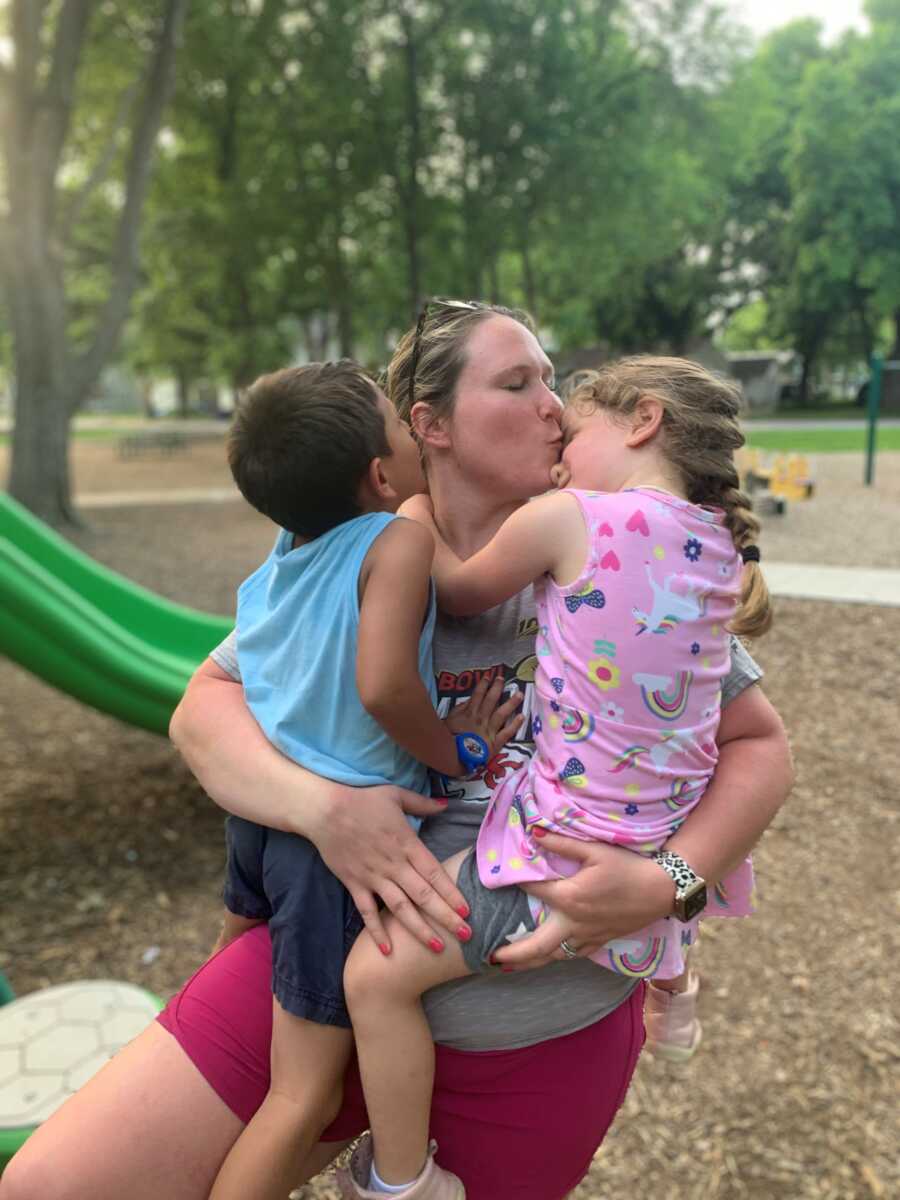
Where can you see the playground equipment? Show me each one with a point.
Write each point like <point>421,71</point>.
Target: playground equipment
<point>90,631</point>
<point>786,477</point>
<point>52,1041</point>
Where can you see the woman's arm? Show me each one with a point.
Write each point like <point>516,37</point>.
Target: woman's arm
<point>617,891</point>
<point>364,839</point>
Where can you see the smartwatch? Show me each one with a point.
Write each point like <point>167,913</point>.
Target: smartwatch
<point>473,751</point>
<point>690,889</point>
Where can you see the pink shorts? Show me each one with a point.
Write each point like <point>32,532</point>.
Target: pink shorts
<point>515,1124</point>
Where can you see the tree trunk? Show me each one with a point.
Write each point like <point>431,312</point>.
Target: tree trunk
<point>51,381</point>
<point>806,378</point>
<point>895,350</point>
<point>183,393</point>
<point>39,472</point>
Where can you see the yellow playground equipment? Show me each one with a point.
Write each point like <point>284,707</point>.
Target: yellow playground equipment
<point>785,477</point>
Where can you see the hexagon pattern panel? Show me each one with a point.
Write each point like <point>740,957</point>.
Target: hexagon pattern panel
<point>53,1041</point>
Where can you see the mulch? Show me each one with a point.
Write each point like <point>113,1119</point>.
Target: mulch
<point>113,859</point>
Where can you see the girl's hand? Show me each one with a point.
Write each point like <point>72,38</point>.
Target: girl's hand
<point>614,892</point>
<point>366,842</point>
<point>560,475</point>
<point>483,714</point>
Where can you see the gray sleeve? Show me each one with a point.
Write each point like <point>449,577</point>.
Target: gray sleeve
<point>225,656</point>
<point>744,671</point>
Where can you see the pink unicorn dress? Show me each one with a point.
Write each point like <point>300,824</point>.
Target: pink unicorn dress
<point>630,663</point>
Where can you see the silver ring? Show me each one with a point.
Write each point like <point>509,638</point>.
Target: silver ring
<point>568,950</point>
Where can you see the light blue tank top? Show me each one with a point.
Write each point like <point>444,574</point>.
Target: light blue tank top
<point>297,629</point>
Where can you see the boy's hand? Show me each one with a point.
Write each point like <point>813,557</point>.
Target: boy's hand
<point>483,714</point>
<point>560,475</point>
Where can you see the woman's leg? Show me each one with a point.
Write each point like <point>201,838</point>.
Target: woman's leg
<point>308,1064</point>
<point>393,1040</point>
<point>147,1126</point>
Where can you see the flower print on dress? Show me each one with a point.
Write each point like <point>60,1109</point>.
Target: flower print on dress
<point>695,647</point>
<point>693,548</point>
<point>610,711</point>
<point>631,809</point>
<point>604,674</point>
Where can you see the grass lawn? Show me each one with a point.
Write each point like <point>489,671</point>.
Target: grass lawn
<point>821,441</point>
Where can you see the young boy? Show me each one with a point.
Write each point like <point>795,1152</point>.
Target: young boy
<point>334,646</point>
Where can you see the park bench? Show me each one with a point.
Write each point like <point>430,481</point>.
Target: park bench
<point>163,441</point>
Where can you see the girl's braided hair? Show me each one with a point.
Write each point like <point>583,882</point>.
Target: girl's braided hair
<point>701,431</point>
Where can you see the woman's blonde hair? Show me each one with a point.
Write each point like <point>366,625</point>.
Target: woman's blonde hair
<point>436,348</point>
<point>701,431</point>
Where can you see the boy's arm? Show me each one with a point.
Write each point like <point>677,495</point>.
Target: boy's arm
<point>394,586</point>
<point>533,540</point>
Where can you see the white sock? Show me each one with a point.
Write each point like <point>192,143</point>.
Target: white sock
<point>377,1184</point>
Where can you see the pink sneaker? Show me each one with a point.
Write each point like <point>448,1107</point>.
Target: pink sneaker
<point>433,1184</point>
<point>670,1018</point>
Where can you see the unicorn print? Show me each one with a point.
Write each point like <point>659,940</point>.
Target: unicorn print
<point>669,608</point>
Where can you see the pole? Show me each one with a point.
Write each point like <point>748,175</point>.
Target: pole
<point>873,406</point>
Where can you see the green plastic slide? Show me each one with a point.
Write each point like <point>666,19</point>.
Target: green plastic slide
<point>91,632</point>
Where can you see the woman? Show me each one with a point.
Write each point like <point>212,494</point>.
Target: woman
<point>537,1059</point>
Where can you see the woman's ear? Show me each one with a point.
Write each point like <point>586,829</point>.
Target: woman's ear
<point>428,429</point>
<point>645,421</point>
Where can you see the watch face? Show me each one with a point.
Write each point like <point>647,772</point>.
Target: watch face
<point>694,902</point>
<point>474,746</point>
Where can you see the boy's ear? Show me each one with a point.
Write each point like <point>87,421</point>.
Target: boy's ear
<point>376,483</point>
<point>645,421</point>
<point>429,429</point>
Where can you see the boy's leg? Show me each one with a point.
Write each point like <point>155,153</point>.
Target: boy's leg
<point>393,1040</point>
<point>308,1064</point>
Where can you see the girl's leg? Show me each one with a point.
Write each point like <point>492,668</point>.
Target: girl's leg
<point>148,1125</point>
<point>308,1064</point>
<point>393,1040</point>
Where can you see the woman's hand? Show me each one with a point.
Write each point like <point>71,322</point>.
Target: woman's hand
<point>366,842</point>
<point>614,892</point>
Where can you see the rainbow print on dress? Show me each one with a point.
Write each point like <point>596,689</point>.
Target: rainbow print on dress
<point>664,696</point>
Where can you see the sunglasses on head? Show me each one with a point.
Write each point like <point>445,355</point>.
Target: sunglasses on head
<point>436,302</point>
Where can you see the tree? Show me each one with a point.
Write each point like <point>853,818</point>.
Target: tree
<point>56,363</point>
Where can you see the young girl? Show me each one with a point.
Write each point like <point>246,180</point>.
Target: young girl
<point>638,582</point>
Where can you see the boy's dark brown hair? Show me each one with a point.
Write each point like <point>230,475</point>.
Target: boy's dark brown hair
<point>301,442</point>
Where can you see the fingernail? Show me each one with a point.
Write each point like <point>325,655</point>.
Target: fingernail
<point>464,933</point>
<point>442,800</point>
<point>507,970</point>
<point>538,831</point>
<point>463,911</point>
<point>493,960</point>
<point>384,948</point>
<point>436,945</point>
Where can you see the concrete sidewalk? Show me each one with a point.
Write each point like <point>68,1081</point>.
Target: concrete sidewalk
<point>854,585</point>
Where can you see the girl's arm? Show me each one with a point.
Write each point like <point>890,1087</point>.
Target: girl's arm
<point>548,534</point>
<point>394,585</point>
<point>616,891</point>
<point>364,839</point>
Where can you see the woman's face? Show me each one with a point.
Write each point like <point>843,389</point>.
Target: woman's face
<point>505,428</point>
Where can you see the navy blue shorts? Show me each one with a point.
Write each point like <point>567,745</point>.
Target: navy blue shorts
<point>281,878</point>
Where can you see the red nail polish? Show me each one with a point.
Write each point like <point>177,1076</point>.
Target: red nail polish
<point>384,948</point>
<point>493,960</point>
<point>436,945</point>
<point>507,970</point>
<point>463,911</point>
<point>539,831</point>
<point>442,800</point>
<point>464,933</point>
